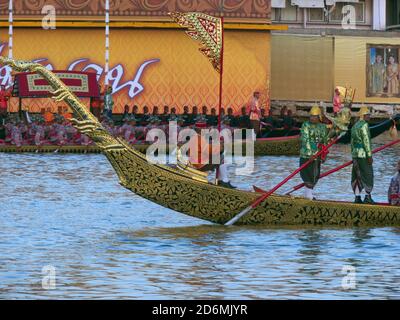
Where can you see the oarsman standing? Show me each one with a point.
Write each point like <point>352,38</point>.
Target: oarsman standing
<point>255,113</point>
<point>337,101</point>
<point>362,176</point>
<point>95,105</point>
<point>314,135</point>
<point>4,97</point>
<point>394,188</point>
<point>108,103</point>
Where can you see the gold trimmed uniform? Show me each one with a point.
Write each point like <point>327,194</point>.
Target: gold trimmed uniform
<point>312,136</point>
<point>362,177</point>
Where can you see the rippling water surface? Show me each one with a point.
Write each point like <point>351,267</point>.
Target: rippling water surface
<point>69,212</point>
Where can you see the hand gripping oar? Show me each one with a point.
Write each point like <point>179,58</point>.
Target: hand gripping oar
<point>344,165</point>
<point>267,194</point>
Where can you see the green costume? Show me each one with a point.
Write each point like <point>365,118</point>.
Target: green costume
<point>186,118</point>
<point>233,122</point>
<point>311,136</point>
<point>244,121</point>
<point>363,174</point>
<point>108,104</point>
<point>212,120</point>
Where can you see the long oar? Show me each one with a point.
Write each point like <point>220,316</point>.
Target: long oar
<point>344,165</point>
<point>267,194</point>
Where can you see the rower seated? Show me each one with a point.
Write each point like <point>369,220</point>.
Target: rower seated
<point>267,120</point>
<point>288,121</point>
<point>394,188</point>
<point>201,155</point>
<point>233,121</point>
<point>212,119</point>
<point>48,116</point>
<point>244,119</point>
<point>66,114</point>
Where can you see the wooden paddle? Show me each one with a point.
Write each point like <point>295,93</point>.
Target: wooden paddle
<point>325,174</point>
<point>261,199</point>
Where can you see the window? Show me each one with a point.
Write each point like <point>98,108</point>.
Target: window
<point>383,71</point>
<point>274,14</point>
<point>316,15</point>
<point>288,14</point>
<point>393,13</point>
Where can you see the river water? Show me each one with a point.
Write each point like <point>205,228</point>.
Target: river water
<point>66,218</point>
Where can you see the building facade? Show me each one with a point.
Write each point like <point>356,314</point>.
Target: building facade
<point>152,61</point>
<point>335,43</point>
<point>393,15</point>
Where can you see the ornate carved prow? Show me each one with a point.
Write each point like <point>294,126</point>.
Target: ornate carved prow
<point>83,120</point>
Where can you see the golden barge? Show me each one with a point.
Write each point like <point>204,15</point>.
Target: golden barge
<point>178,190</point>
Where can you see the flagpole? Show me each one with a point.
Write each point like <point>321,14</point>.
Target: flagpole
<point>107,44</point>
<point>197,31</point>
<point>10,29</point>
<point>221,76</point>
<point>10,36</point>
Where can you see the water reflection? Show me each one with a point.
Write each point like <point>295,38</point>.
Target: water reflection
<point>361,235</point>
<point>311,246</point>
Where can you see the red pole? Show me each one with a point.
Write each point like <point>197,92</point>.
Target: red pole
<point>221,74</point>
<point>265,196</point>
<point>344,165</point>
<point>221,77</point>
<point>270,192</point>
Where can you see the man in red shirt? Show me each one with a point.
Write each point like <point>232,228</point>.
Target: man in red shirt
<point>337,101</point>
<point>201,154</point>
<point>4,97</point>
<point>255,113</point>
<point>95,105</point>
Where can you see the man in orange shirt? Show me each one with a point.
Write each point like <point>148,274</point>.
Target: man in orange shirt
<point>4,97</point>
<point>201,154</point>
<point>95,105</point>
<point>48,116</point>
<point>66,114</point>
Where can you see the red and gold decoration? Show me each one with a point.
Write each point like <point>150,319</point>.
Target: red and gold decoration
<point>205,29</point>
<point>347,94</point>
<point>182,77</point>
<point>248,11</point>
<point>83,84</point>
